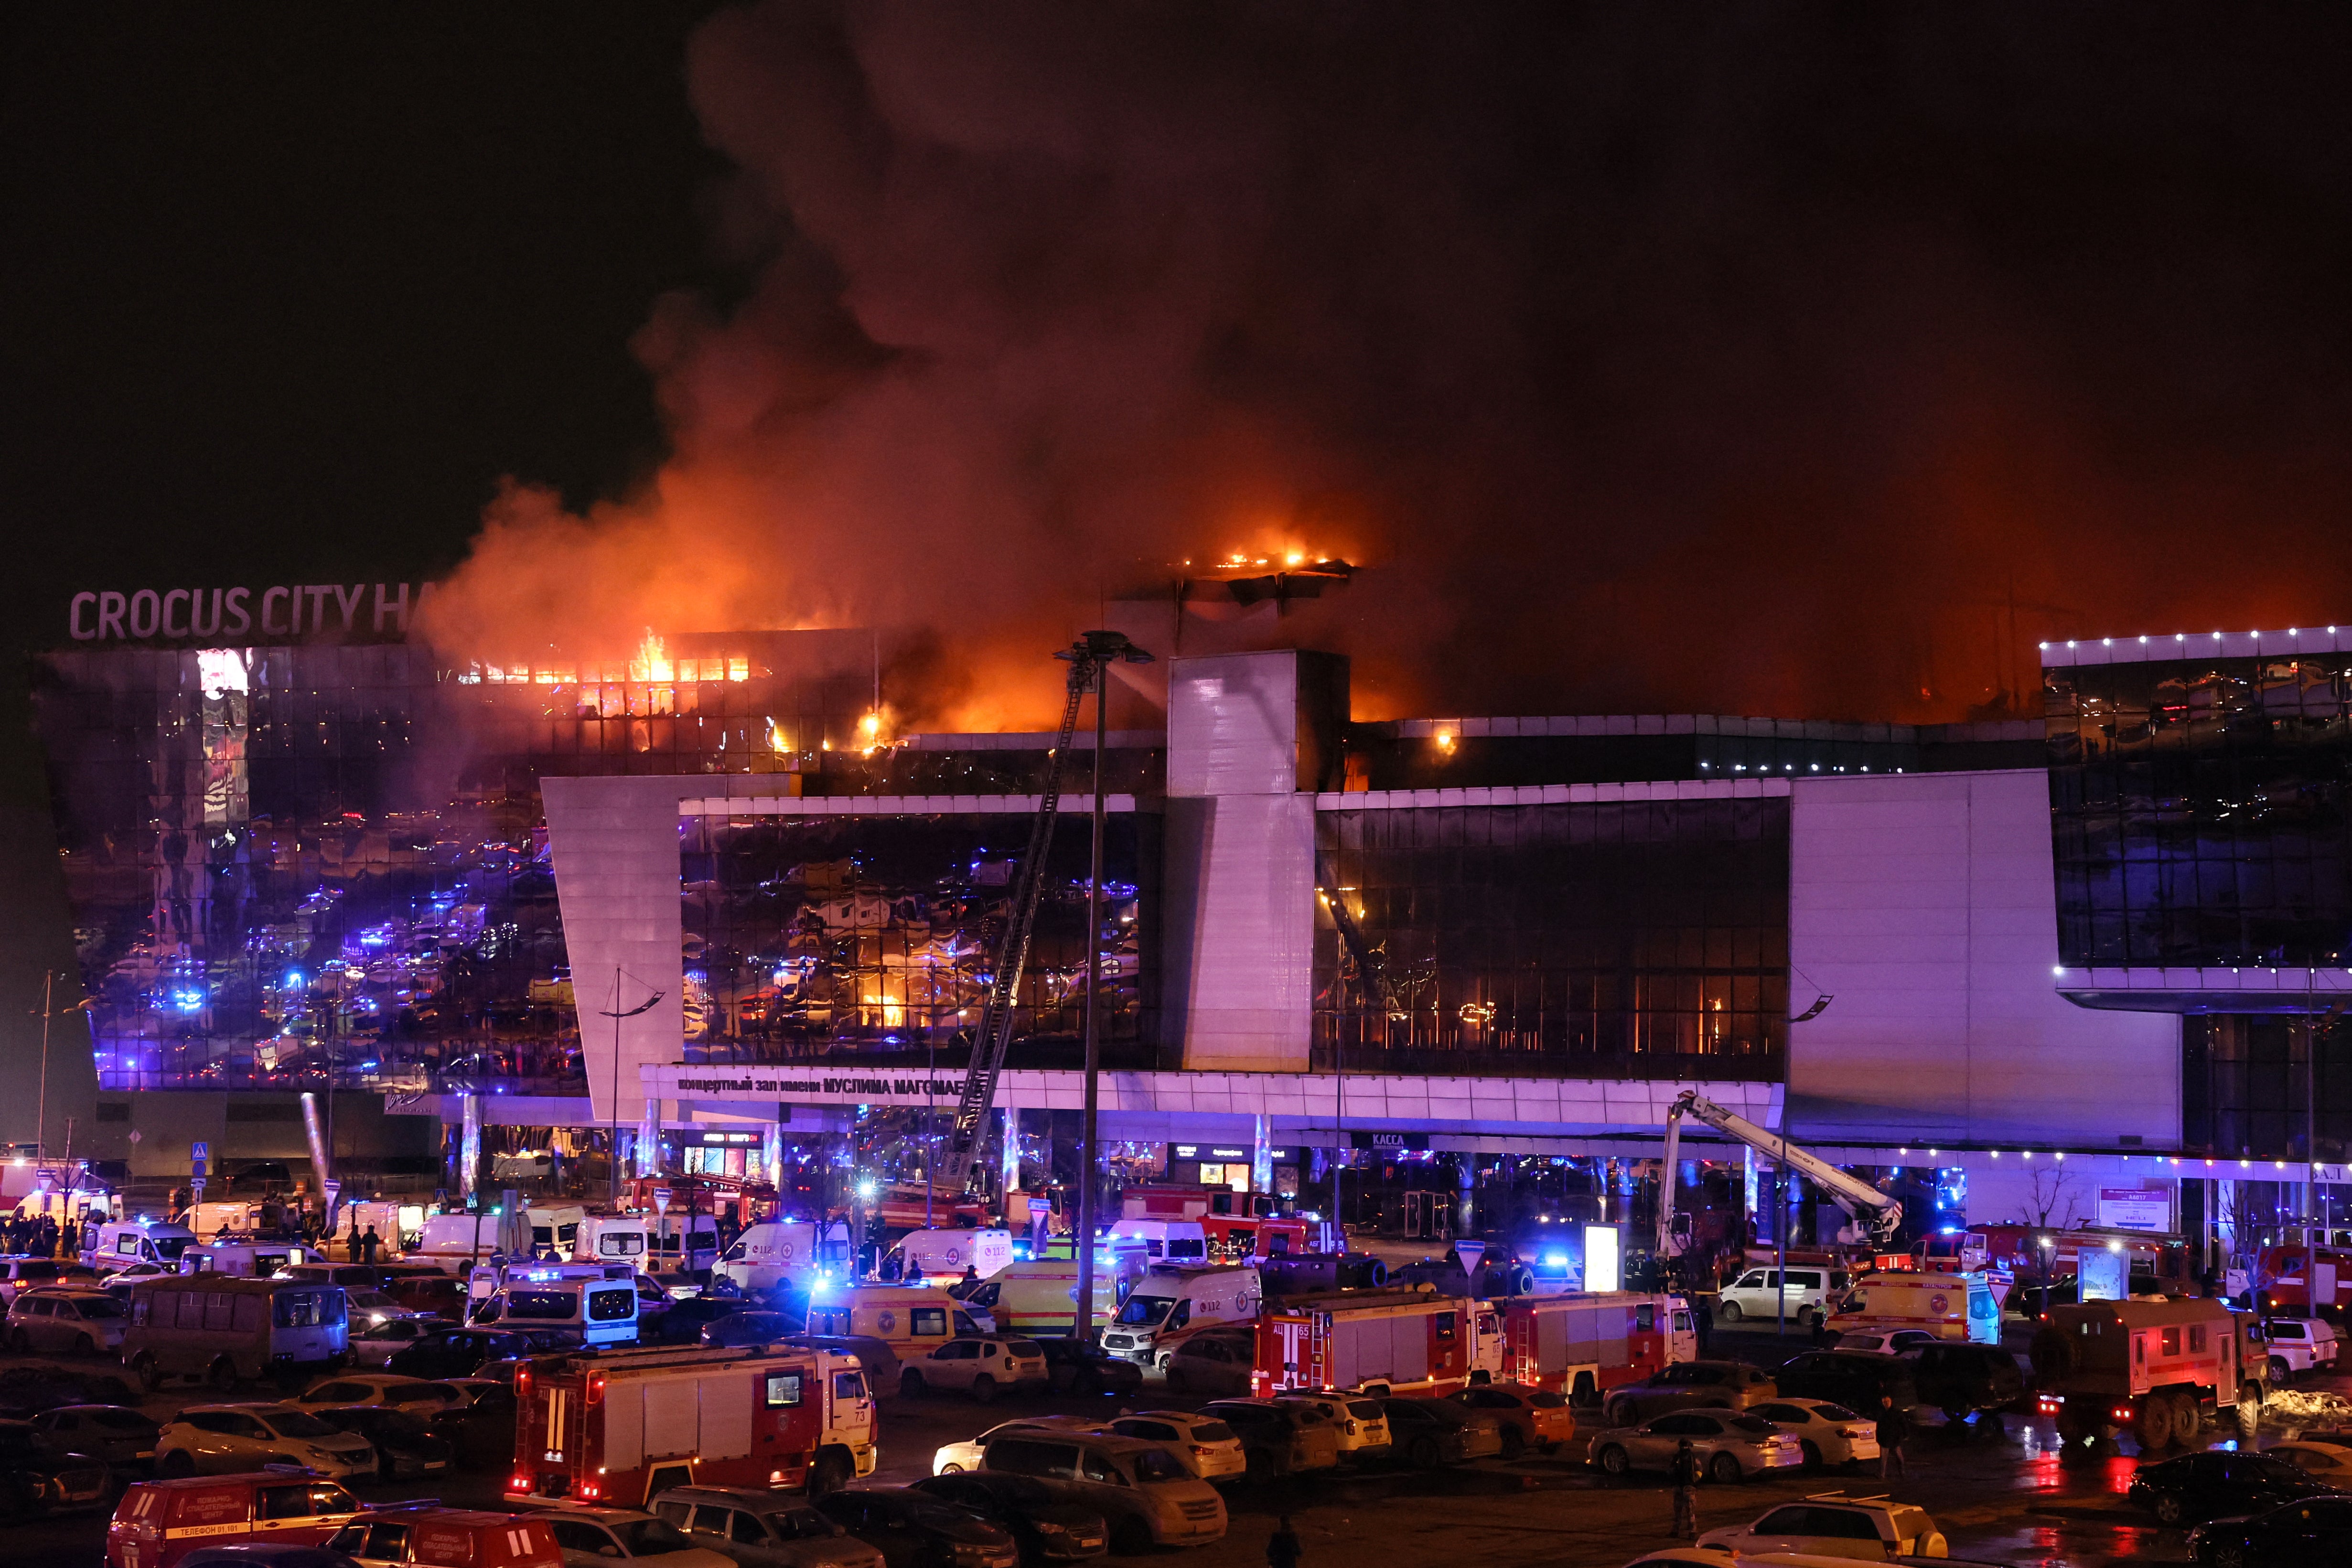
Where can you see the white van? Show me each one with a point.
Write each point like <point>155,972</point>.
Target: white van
<point>941,1257</point>
<point>554,1229</point>
<point>676,1243</point>
<point>785,1252</point>
<point>912,1320</point>
<point>1040,1295</point>
<point>119,1244</point>
<point>455,1242</point>
<point>241,1256</point>
<point>1804,1297</point>
<point>580,1297</point>
<point>610,1238</point>
<point>1170,1305</point>
<point>1165,1240</point>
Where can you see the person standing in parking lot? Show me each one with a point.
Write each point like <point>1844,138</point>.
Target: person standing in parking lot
<point>1894,1430</point>
<point>1686,1474</point>
<point>1282,1548</point>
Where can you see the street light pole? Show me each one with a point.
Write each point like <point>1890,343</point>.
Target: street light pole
<point>1101,650</point>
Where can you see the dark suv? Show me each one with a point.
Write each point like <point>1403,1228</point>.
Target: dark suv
<point>1855,1379</point>
<point>1962,1379</point>
<point>1689,1386</point>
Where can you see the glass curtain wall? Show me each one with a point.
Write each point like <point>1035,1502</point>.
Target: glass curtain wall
<point>878,936</point>
<point>2198,812</point>
<point>290,862</point>
<point>1648,936</point>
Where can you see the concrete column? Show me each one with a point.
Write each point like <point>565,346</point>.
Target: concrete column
<point>772,1154</point>
<point>648,1154</point>
<point>1262,1159</point>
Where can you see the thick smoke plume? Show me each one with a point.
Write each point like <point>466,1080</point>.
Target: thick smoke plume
<point>1808,362</point>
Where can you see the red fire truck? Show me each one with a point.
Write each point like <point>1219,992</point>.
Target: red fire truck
<point>2288,1270</point>
<point>1583,1344</point>
<point>1409,1341</point>
<point>2163,1367</point>
<point>618,1426</point>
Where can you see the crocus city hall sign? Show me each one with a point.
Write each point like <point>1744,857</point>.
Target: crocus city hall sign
<point>296,610</point>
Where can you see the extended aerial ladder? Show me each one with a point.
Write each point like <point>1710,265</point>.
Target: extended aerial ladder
<point>1873,1216</point>
<point>968,1139</point>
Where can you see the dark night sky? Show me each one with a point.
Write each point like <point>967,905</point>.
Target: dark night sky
<point>1747,359</point>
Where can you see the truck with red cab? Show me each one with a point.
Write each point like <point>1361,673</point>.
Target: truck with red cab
<point>1584,1343</point>
<point>615,1428</point>
<point>2158,1366</point>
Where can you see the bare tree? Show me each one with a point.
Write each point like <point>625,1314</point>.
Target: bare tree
<point>2053,1203</point>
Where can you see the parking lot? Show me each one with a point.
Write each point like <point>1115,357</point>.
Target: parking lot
<point>2007,1499</point>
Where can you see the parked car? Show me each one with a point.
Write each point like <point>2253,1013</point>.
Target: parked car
<point>2219,1485</point>
<point>419,1396</point>
<point>1886,1342</point>
<point>371,1308</point>
<point>912,1531</point>
<point>1530,1418</point>
<point>950,1459</point>
<point>1428,1433</point>
<point>482,1431</point>
<point>1799,1293</point>
<point>2298,1344</point>
<point>1201,1444</point>
<point>1357,1420</point>
<point>1083,1367</point>
<point>1045,1525</point>
<point>427,1536</point>
<point>598,1537</point>
<point>1829,1434</point>
<point>1872,1528</point>
<point>761,1528</point>
<point>454,1351</point>
<point>1733,1445</point>
<point>123,1438</point>
<point>1146,1496</point>
<point>1277,1440</point>
<point>1962,1380</point>
<point>19,1274</point>
<point>2315,1529</point>
<point>404,1446</point>
<point>2329,1462</point>
<point>267,1555</point>
<point>1855,1379</point>
<point>983,1368</point>
<point>66,1321</point>
<point>1213,1363</point>
<point>684,1323</point>
<point>377,1343</point>
<point>36,1479</point>
<point>1688,1385</point>
<point>224,1439</point>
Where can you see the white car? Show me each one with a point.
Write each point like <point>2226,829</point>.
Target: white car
<point>1362,1423</point>
<point>1830,1525</point>
<point>954,1458</point>
<point>983,1368</point>
<point>373,1308</point>
<point>2299,1344</point>
<point>1201,1444</point>
<point>1732,1444</point>
<point>598,1537</point>
<point>1831,1434</point>
<point>417,1396</point>
<point>1885,1341</point>
<point>228,1439</point>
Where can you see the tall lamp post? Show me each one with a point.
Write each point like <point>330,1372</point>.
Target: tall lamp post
<point>616,1014</point>
<point>1099,650</point>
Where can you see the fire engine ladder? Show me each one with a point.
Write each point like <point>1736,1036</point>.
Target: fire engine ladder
<point>1875,1216</point>
<point>968,1140</point>
<point>1371,978</point>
